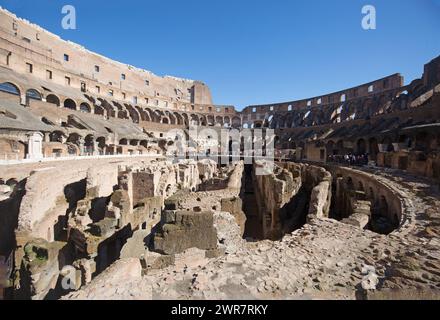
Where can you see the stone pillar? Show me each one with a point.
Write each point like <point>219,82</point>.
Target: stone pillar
<point>81,146</point>
<point>23,99</point>
<point>35,146</point>
<point>94,148</point>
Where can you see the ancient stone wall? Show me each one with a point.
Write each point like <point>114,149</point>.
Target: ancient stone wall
<point>361,197</point>
<point>291,194</point>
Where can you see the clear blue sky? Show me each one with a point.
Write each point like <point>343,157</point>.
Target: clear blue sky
<point>252,51</point>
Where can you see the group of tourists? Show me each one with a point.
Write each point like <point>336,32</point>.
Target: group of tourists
<point>350,159</point>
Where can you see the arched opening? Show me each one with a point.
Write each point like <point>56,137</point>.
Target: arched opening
<point>123,142</point>
<point>51,98</point>
<point>99,110</point>
<point>70,104</point>
<point>56,136</point>
<point>9,87</point>
<point>219,121</point>
<point>84,107</point>
<point>374,148</point>
<point>122,115</point>
<point>236,122</point>
<point>381,220</point>
<point>33,94</point>
<point>350,184</point>
<point>361,146</point>
<point>89,144</point>
<point>203,121</point>
<point>179,118</point>
<point>185,119</point>
<point>144,143</point>
<point>422,141</point>
<point>73,143</point>
<point>258,124</point>
<point>194,120</point>
<point>101,145</point>
<point>227,122</point>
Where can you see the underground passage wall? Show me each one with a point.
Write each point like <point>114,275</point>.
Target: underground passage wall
<point>360,198</point>
<point>281,202</point>
<point>285,198</point>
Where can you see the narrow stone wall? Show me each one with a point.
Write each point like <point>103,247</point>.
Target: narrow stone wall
<point>360,197</point>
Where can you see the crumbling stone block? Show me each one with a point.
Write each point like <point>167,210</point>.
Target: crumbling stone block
<point>189,230</point>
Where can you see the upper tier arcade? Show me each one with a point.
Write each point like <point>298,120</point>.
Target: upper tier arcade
<point>28,49</point>
<point>330,108</point>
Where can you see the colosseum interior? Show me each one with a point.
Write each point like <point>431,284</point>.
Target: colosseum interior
<point>89,191</point>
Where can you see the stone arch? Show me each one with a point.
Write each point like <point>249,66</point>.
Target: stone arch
<point>85,107</point>
<point>361,146</point>
<point>122,114</point>
<point>179,118</point>
<point>153,115</point>
<point>11,88</point>
<point>219,121</point>
<point>211,120</point>
<point>74,141</point>
<point>144,143</point>
<point>227,121</point>
<point>236,122</point>
<point>171,117</point>
<point>373,148</point>
<point>99,110</point>
<point>69,104</point>
<point>33,94</point>
<point>144,116</point>
<point>194,119</point>
<point>56,136</point>
<point>157,114</point>
<point>133,113</point>
<point>203,120</point>
<point>89,143</point>
<point>51,98</point>
<point>383,104</point>
<point>372,195</point>
<point>350,183</point>
<point>185,119</point>
<point>101,144</point>
<point>109,108</point>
